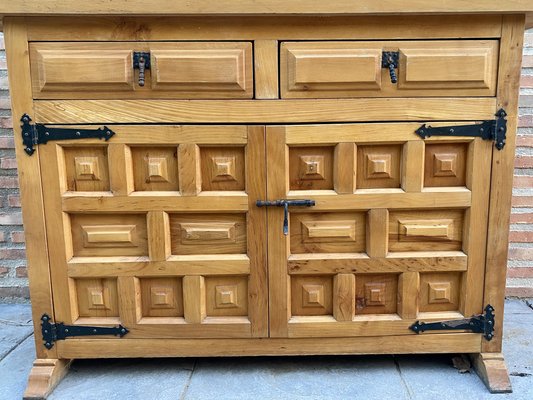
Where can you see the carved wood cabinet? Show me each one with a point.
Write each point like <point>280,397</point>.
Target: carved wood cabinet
<point>293,179</point>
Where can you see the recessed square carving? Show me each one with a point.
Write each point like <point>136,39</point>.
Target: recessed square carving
<point>97,297</point>
<point>86,169</point>
<point>311,295</point>
<point>226,295</point>
<point>445,164</point>
<point>161,297</point>
<point>311,168</point>
<point>440,291</point>
<point>222,168</point>
<point>378,166</point>
<point>376,293</point>
<point>155,168</point>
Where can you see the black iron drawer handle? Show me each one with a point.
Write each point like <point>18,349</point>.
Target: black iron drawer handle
<point>285,204</point>
<point>390,59</point>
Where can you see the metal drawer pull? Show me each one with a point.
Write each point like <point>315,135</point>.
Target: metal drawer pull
<point>285,204</point>
<point>141,61</point>
<point>389,59</point>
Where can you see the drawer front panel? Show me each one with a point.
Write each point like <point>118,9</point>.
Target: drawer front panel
<point>199,70</point>
<point>352,69</point>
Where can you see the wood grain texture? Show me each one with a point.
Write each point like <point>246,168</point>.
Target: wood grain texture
<point>44,376</point>
<point>266,69</point>
<point>492,370</point>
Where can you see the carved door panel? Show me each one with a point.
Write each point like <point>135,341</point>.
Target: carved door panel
<point>397,232</point>
<point>157,229</point>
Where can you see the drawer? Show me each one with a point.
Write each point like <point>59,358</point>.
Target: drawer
<point>353,69</point>
<point>200,70</point>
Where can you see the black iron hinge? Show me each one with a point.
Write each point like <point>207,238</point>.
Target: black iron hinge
<point>59,331</point>
<point>487,130</point>
<point>481,323</point>
<point>35,134</point>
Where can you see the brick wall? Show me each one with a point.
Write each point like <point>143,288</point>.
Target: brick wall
<point>13,275</point>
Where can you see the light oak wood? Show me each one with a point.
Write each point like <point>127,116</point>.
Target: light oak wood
<point>44,377</point>
<point>492,370</point>
<point>266,69</point>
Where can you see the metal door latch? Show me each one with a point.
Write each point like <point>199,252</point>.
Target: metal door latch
<point>141,61</point>
<point>35,134</point>
<point>495,130</point>
<point>390,60</point>
<point>481,323</point>
<point>59,331</point>
<point>285,204</point>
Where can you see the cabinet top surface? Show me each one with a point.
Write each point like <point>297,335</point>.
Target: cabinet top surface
<point>263,7</point>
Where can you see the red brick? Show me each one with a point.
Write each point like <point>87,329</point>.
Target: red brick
<point>520,181</point>
<point>17,237</point>
<point>9,182</point>
<point>524,140</point>
<point>14,201</point>
<point>526,81</point>
<point>519,162</point>
<point>5,102</point>
<point>525,121</point>
<point>520,253</point>
<point>6,122</point>
<point>523,272</point>
<point>21,272</point>
<point>526,101</point>
<point>527,62</point>
<point>11,219</point>
<point>7,142</point>
<point>12,254</point>
<point>522,218</point>
<point>3,271</point>
<point>519,291</point>
<point>18,292</point>
<point>521,236</point>
<point>11,163</point>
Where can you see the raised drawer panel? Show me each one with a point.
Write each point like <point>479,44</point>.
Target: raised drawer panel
<point>353,69</point>
<point>208,70</point>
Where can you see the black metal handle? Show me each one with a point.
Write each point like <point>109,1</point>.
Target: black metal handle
<point>285,204</point>
<point>389,59</point>
<point>141,60</point>
<point>142,66</point>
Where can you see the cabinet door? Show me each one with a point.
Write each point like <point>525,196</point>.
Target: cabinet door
<point>157,229</point>
<point>397,233</point>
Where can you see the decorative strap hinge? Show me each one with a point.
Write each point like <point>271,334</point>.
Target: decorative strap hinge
<point>487,130</point>
<point>59,331</point>
<point>35,134</point>
<point>481,323</point>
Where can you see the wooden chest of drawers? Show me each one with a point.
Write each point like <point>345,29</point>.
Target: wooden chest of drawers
<point>209,185</point>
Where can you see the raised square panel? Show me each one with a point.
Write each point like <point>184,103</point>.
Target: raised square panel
<point>445,164</point>
<point>109,235</point>
<point>425,230</point>
<point>208,233</point>
<point>439,291</point>
<point>97,297</point>
<point>311,168</point>
<point>227,296</point>
<point>86,169</point>
<point>162,297</point>
<point>327,232</point>
<point>222,168</point>
<point>155,168</point>
<point>378,166</point>
<point>311,295</point>
<point>376,293</point>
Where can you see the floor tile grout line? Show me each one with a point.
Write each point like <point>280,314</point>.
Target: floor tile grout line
<point>16,345</point>
<point>402,378</point>
<point>187,384</point>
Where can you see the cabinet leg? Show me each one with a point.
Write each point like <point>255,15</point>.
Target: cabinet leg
<point>44,377</point>
<point>492,370</point>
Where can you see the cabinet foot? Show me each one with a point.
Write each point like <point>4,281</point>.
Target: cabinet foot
<point>492,370</point>
<point>44,377</point>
